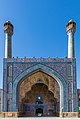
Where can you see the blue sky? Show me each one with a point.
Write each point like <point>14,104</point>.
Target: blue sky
<point>40,28</point>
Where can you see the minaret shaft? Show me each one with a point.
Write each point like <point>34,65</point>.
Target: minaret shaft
<point>71,53</point>
<point>8,30</point>
<point>8,46</point>
<point>71,28</point>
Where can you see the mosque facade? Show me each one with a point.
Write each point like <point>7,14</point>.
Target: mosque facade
<point>39,86</point>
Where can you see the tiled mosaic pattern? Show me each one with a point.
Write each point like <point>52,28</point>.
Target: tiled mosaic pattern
<point>62,69</point>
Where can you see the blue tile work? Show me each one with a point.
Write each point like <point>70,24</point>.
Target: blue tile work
<point>4,85</point>
<point>74,86</point>
<point>48,71</point>
<point>59,68</point>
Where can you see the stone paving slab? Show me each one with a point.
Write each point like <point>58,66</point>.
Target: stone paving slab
<point>39,118</point>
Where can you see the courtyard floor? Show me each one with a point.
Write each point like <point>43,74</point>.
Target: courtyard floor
<point>39,118</point>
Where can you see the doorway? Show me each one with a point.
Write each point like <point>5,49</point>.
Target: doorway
<point>39,112</point>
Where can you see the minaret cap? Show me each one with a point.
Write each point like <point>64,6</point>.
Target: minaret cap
<point>71,26</point>
<point>8,28</point>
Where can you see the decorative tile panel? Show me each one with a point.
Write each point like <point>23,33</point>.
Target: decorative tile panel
<point>55,67</point>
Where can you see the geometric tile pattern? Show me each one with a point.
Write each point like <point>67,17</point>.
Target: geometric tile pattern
<point>62,69</point>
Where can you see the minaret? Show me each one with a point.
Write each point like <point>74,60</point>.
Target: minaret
<point>71,28</point>
<point>8,30</point>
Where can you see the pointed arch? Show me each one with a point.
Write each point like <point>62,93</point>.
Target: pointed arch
<point>62,83</point>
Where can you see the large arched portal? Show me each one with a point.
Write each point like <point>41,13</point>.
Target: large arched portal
<point>38,95</point>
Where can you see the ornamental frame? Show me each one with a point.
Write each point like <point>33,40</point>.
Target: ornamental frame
<point>62,84</point>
